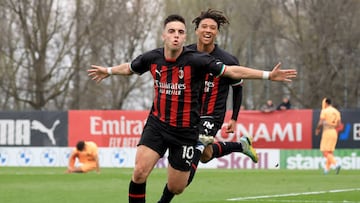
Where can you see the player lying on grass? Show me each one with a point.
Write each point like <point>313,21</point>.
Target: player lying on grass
<point>86,153</point>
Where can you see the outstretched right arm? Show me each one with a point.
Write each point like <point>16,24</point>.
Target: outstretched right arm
<point>98,73</point>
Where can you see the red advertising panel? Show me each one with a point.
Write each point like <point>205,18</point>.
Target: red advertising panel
<point>106,128</point>
<point>289,129</point>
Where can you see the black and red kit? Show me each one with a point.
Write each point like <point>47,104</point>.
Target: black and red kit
<point>216,89</point>
<point>177,84</point>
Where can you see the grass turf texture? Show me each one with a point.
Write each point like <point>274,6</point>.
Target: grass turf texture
<point>31,184</point>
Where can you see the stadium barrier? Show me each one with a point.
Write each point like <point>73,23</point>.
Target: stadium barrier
<point>124,158</point>
<point>44,138</point>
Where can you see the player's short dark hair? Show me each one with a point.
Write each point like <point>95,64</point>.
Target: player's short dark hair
<point>174,17</point>
<point>216,15</point>
<point>80,145</point>
<point>328,101</point>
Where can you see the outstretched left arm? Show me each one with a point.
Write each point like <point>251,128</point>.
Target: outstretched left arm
<point>277,74</point>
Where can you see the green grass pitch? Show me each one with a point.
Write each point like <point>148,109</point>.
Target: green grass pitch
<point>37,185</point>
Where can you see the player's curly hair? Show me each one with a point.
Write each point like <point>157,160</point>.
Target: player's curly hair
<point>216,15</point>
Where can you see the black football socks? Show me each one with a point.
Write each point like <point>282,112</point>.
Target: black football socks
<point>224,148</point>
<point>167,196</point>
<point>137,192</point>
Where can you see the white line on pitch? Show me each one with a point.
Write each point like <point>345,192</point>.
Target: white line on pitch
<point>293,194</point>
<point>304,201</point>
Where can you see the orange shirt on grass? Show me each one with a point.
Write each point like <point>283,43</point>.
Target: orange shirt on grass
<point>87,156</point>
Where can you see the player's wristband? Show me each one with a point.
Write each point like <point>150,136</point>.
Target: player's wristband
<point>266,75</point>
<point>109,71</point>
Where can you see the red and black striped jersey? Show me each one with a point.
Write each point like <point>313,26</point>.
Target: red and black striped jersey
<point>216,89</point>
<point>177,84</point>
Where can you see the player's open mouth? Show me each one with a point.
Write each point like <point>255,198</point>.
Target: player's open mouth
<point>207,36</point>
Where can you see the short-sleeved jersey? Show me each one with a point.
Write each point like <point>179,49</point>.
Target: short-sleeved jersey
<point>177,84</point>
<point>88,154</point>
<point>331,116</point>
<point>216,89</point>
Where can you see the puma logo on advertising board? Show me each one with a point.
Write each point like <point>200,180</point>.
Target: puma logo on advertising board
<point>20,131</point>
<point>37,125</point>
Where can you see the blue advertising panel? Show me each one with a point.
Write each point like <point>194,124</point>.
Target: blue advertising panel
<point>349,137</point>
<point>33,128</point>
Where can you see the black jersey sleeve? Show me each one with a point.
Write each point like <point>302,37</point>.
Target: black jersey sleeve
<point>142,63</point>
<point>237,101</point>
<point>209,64</point>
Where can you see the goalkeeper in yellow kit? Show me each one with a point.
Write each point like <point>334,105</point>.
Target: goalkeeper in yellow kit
<point>330,119</point>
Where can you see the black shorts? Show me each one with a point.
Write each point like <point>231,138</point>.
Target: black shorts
<point>209,126</point>
<point>160,136</point>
